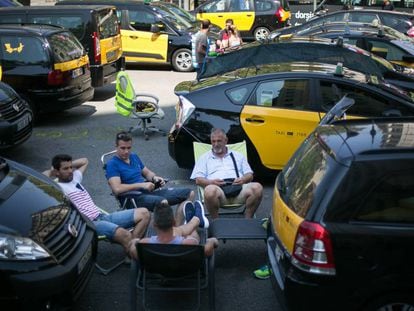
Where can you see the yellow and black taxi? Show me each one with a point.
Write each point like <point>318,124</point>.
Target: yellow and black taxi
<point>255,19</point>
<point>48,248</point>
<point>96,27</point>
<point>340,235</point>
<point>46,65</point>
<point>150,34</point>
<point>274,107</point>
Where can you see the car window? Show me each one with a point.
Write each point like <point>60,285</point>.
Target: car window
<point>22,50</point>
<point>400,23</point>
<point>303,174</point>
<point>263,5</point>
<point>391,200</point>
<point>11,18</point>
<point>240,5</point>
<point>72,23</point>
<point>289,94</point>
<point>362,17</point>
<point>385,50</point>
<point>215,6</point>
<point>108,24</point>
<point>239,95</point>
<point>141,20</point>
<point>65,47</point>
<point>367,104</point>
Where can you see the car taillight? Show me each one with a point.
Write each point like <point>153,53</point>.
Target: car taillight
<point>312,251</point>
<point>183,111</point>
<point>56,77</point>
<point>96,47</point>
<point>281,15</point>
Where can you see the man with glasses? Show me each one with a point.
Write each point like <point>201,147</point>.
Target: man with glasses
<point>115,226</point>
<point>126,172</point>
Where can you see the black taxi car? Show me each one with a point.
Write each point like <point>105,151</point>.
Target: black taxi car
<point>96,27</point>
<point>341,230</point>
<point>274,107</point>
<point>255,19</point>
<point>46,65</point>
<point>16,120</point>
<point>47,247</point>
<point>150,34</point>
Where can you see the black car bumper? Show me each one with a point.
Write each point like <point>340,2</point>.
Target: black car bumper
<point>62,99</point>
<point>104,74</point>
<point>57,284</point>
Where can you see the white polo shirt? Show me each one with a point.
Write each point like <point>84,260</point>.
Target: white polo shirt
<point>211,167</point>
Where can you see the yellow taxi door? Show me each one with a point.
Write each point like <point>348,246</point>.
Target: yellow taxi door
<point>139,43</point>
<point>278,121</point>
<point>276,133</point>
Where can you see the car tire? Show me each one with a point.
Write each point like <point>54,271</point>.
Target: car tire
<point>261,33</point>
<point>182,60</point>
<point>393,301</point>
<point>33,107</point>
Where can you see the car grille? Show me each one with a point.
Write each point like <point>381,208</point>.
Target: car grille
<point>62,243</point>
<point>12,110</point>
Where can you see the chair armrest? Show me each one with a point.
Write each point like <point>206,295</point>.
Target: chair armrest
<point>129,194</point>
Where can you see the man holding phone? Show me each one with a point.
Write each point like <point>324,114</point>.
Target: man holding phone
<point>221,166</point>
<point>126,172</point>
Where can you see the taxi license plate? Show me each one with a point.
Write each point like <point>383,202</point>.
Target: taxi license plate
<point>110,55</point>
<point>24,122</point>
<point>77,72</point>
<point>85,258</point>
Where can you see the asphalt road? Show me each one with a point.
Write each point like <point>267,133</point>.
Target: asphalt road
<point>89,131</point>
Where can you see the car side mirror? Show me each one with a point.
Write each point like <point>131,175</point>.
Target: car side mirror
<point>408,58</point>
<point>155,28</point>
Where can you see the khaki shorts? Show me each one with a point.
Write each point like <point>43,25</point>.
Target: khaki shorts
<point>240,199</point>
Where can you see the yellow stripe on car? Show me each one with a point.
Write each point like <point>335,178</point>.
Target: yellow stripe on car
<point>72,64</point>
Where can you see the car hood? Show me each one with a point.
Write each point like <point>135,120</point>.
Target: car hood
<point>31,204</point>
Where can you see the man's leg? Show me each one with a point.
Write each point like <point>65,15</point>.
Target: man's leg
<point>213,197</point>
<point>252,194</point>
<point>188,229</point>
<point>141,219</point>
<point>113,232</point>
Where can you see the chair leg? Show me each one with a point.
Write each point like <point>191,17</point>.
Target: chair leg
<point>211,283</point>
<point>132,285</point>
<point>106,271</point>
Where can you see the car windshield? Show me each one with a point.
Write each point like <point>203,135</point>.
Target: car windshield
<point>108,24</point>
<point>23,50</point>
<point>65,47</point>
<point>302,175</point>
<point>181,12</point>
<point>176,21</point>
<point>405,45</point>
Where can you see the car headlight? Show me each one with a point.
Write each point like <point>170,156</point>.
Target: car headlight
<point>19,248</point>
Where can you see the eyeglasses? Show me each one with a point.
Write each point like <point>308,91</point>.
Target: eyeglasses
<point>123,136</point>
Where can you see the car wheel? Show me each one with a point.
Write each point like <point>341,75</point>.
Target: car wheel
<point>182,60</point>
<point>392,302</point>
<point>33,107</point>
<point>261,33</point>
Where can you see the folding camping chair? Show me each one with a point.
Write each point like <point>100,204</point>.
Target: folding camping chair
<point>202,148</point>
<point>171,268</point>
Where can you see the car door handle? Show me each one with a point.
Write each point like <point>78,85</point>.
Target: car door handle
<point>219,15</point>
<point>254,120</point>
<point>249,15</point>
<point>133,37</point>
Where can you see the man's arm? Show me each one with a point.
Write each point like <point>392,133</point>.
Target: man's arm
<point>80,164</point>
<point>246,178</point>
<point>152,177</point>
<point>118,187</point>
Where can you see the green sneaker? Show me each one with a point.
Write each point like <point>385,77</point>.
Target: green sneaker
<point>262,273</point>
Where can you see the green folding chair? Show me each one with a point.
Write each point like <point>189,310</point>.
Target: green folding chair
<point>202,148</point>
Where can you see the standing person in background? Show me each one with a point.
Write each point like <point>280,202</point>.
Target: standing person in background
<point>201,45</point>
<point>387,5</point>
